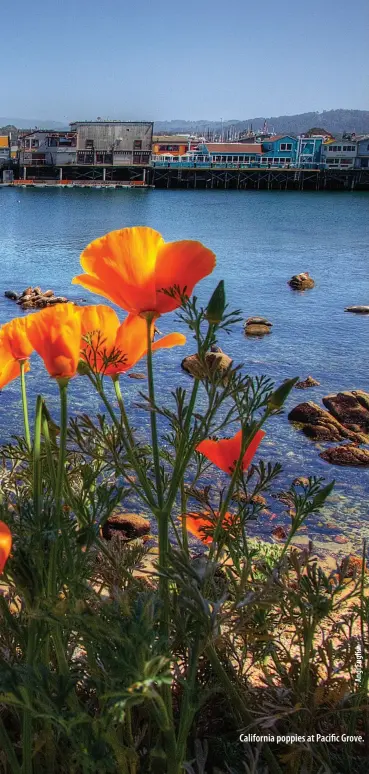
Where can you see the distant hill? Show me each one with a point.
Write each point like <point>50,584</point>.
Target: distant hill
<point>26,123</point>
<point>335,121</point>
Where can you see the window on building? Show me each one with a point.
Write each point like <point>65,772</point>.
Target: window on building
<point>137,145</point>
<point>89,144</point>
<point>224,159</point>
<point>35,143</point>
<point>286,146</point>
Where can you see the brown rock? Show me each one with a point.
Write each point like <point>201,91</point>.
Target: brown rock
<point>215,361</point>
<point>350,408</point>
<point>279,533</point>
<point>37,291</point>
<point>301,281</point>
<point>348,455</point>
<point>319,424</point>
<point>48,293</point>
<point>57,300</point>
<point>137,375</point>
<point>301,481</point>
<point>257,326</point>
<point>308,382</point>
<point>352,566</point>
<point>24,298</point>
<point>128,525</point>
<point>358,309</point>
<point>27,292</point>
<point>28,305</point>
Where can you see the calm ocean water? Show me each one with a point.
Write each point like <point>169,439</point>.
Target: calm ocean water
<point>260,239</point>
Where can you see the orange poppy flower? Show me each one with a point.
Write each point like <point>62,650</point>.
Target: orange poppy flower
<point>201,525</point>
<point>5,544</point>
<point>224,454</point>
<point>129,339</point>
<point>55,334</point>
<point>14,348</point>
<point>14,337</point>
<point>132,266</point>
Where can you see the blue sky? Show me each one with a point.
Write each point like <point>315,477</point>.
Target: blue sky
<point>195,60</point>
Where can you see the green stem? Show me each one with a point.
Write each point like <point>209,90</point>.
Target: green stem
<point>7,747</point>
<point>154,429</point>
<point>46,434</point>
<point>27,767</point>
<point>24,404</point>
<point>187,708</point>
<point>37,477</point>
<point>63,385</point>
<point>236,702</point>
<point>123,412</point>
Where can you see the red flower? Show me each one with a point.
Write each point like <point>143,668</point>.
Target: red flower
<point>5,544</point>
<point>224,454</point>
<point>202,525</point>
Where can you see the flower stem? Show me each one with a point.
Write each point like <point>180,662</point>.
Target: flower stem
<point>7,747</point>
<point>24,404</point>
<point>154,430</point>
<point>37,477</point>
<point>123,412</point>
<point>63,385</point>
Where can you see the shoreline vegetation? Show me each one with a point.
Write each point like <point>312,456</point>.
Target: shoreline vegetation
<point>236,657</point>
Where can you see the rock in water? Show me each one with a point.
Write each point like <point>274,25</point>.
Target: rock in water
<point>348,455</point>
<point>358,309</point>
<point>12,295</point>
<point>301,281</point>
<point>257,326</point>
<point>308,382</point>
<point>351,409</point>
<point>215,361</point>
<point>128,525</point>
<point>137,375</point>
<point>319,424</point>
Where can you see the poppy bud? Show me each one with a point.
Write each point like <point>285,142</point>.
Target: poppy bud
<point>216,305</point>
<point>279,395</point>
<point>83,368</point>
<point>321,497</point>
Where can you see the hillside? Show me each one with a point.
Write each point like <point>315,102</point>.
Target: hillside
<point>335,121</point>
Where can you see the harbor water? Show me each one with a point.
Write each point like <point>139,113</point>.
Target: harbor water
<point>261,238</point>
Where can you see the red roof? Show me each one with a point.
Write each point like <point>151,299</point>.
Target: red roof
<point>278,137</point>
<point>233,147</point>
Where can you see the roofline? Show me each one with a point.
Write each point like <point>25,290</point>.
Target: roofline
<point>98,123</point>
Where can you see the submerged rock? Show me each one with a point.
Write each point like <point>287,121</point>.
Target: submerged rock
<point>358,309</point>
<point>348,455</point>
<point>137,375</point>
<point>301,281</point>
<point>257,326</point>
<point>128,525</point>
<point>308,382</point>
<point>322,425</point>
<point>12,295</point>
<point>215,361</point>
<point>350,409</point>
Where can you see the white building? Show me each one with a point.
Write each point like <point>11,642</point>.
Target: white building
<point>339,154</point>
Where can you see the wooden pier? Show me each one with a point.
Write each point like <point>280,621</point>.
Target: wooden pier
<point>260,179</point>
<point>171,176</point>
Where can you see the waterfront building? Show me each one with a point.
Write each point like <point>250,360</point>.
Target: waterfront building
<point>339,154</point>
<point>44,147</point>
<point>174,146</point>
<point>228,153</point>
<point>117,143</point>
<point>4,149</point>
<point>309,149</point>
<point>280,150</point>
<point>362,156</point>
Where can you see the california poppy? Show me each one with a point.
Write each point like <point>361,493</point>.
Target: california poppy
<point>14,349</point>
<point>5,544</point>
<point>55,334</point>
<point>202,525</point>
<point>132,266</point>
<point>224,454</point>
<point>128,340</point>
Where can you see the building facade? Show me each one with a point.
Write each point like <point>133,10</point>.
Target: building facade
<point>4,150</point>
<point>280,150</point>
<point>309,150</point>
<point>362,155</point>
<point>339,154</point>
<point>228,153</point>
<point>167,145</point>
<point>117,143</point>
<point>42,147</point>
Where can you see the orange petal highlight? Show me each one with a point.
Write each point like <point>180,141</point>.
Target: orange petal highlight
<point>180,263</point>
<point>131,341</point>
<point>202,526</point>
<point>9,369</point>
<point>5,544</point>
<point>55,334</point>
<point>225,453</point>
<point>132,266</point>
<point>14,337</point>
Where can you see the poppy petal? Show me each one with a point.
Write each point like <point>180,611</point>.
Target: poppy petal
<point>121,267</point>
<point>13,336</point>
<point>5,544</point>
<point>171,340</point>
<point>10,370</point>
<point>225,453</point>
<point>184,264</point>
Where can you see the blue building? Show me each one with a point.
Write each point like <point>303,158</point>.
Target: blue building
<point>362,155</point>
<point>279,151</point>
<point>309,151</point>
